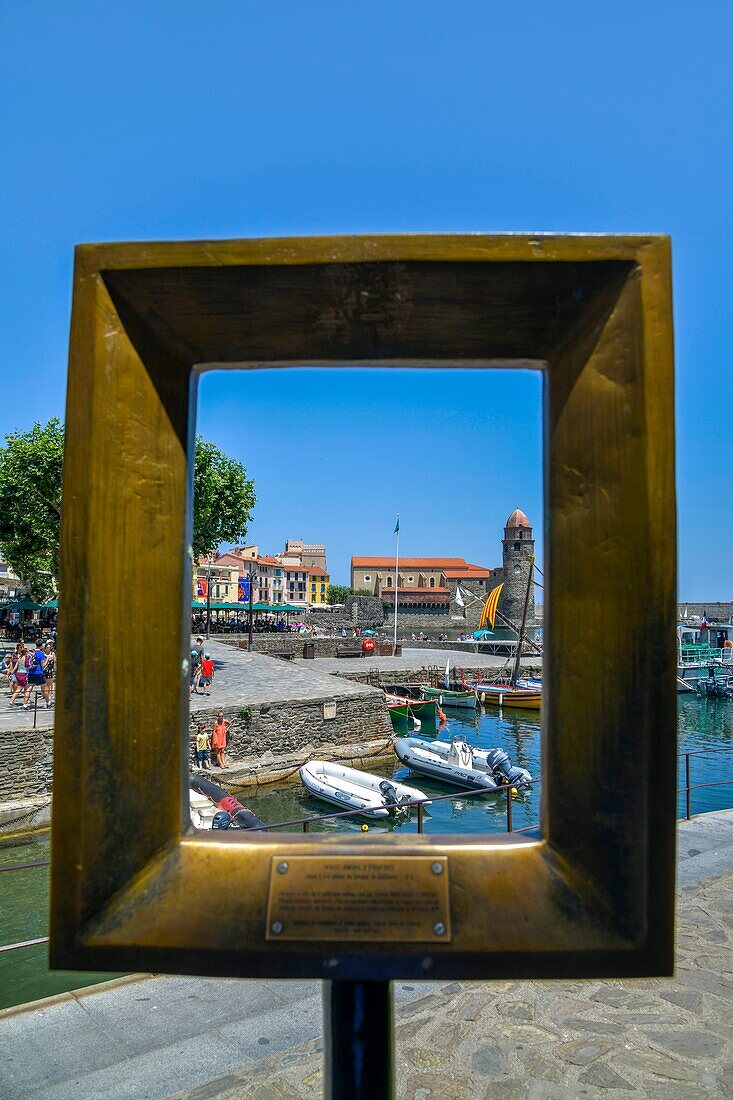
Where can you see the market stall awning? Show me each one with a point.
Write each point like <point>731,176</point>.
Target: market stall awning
<point>200,605</point>
<point>21,605</point>
<point>50,603</point>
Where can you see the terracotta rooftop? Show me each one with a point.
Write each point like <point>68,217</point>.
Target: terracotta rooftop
<point>454,564</point>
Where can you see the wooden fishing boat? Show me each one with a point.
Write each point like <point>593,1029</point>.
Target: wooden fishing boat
<point>506,695</point>
<point>424,709</point>
<point>446,698</point>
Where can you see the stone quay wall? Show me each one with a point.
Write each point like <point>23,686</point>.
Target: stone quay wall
<point>298,728</point>
<point>27,763</point>
<point>293,729</point>
<point>272,644</point>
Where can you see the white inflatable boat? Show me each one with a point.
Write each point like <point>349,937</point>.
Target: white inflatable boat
<point>349,789</point>
<point>459,763</point>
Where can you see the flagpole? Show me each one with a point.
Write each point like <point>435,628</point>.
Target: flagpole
<point>396,582</point>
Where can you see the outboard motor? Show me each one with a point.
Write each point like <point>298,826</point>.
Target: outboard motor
<point>499,762</point>
<point>221,820</point>
<point>389,794</point>
<point>504,771</point>
<point>518,777</point>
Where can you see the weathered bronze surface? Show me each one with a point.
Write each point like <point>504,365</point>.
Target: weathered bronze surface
<point>335,899</point>
<point>131,887</point>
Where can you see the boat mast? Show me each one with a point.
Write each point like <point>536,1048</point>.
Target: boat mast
<point>520,640</point>
<point>396,581</point>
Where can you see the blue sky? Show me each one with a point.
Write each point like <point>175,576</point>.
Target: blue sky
<point>185,120</point>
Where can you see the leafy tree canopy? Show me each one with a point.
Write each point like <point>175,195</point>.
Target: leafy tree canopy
<point>31,474</point>
<point>31,465</point>
<point>223,499</point>
<point>337,593</point>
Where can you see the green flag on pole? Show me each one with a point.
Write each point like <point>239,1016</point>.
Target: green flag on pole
<point>397,525</point>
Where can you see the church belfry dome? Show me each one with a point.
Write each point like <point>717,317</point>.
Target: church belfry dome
<point>518,519</point>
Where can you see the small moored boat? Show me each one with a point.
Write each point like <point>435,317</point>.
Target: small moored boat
<point>212,808</point>
<point>466,700</point>
<point>350,789</point>
<point>509,695</point>
<point>459,763</point>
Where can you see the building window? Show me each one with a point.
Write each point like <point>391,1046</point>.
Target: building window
<point>388,583</point>
<point>410,580</point>
<point>517,569</point>
<point>367,577</point>
<point>517,546</point>
<point>432,582</point>
<point>278,572</point>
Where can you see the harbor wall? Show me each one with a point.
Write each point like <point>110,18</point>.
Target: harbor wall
<point>261,733</point>
<point>298,727</point>
<point>27,762</point>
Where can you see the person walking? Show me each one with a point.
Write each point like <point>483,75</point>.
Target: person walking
<point>219,738</point>
<point>36,676</point>
<point>49,670</point>
<point>19,678</point>
<point>197,654</point>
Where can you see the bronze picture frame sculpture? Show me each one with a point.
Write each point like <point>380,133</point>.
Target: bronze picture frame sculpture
<point>133,887</point>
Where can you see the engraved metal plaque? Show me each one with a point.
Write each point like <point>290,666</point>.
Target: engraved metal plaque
<point>343,898</point>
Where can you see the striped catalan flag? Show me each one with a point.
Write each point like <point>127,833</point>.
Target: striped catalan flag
<point>488,614</point>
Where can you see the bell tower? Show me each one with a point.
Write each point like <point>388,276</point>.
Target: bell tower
<point>517,551</point>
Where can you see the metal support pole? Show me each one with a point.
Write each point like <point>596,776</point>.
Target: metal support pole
<point>208,597</point>
<point>251,583</point>
<point>420,813</point>
<point>358,1029</point>
<point>687,786</point>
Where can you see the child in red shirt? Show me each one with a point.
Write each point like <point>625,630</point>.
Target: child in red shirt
<point>207,673</point>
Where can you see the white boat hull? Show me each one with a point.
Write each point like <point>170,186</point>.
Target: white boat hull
<point>463,766</point>
<point>351,789</point>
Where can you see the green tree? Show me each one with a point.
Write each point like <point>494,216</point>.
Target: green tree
<point>337,593</point>
<point>223,499</point>
<point>31,466</point>
<point>31,474</point>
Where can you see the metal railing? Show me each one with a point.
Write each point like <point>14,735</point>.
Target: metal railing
<point>419,804</point>
<point>694,654</point>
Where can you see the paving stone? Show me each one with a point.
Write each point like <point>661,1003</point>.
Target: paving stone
<point>488,1059</point>
<point>450,1037</point>
<point>597,1027</point>
<point>515,1010</point>
<point>689,1044</point>
<point>439,1086</point>
<point>581,1052</point>
<point>657,1065</point>
<point>424,1057</point>
<point>725,1080</point>
<point>541,1067</point>
<point>603,1077</point>
<point>693,1002</point>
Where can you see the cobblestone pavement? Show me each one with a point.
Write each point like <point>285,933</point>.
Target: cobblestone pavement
<point>415,659</point>
<point>251,678</point>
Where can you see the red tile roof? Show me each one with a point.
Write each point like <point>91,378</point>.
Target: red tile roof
<point>455,564</point>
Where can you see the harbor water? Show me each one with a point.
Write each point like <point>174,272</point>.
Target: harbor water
<point>705,727</point>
